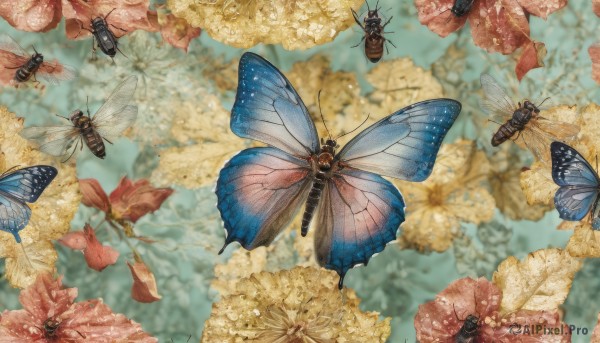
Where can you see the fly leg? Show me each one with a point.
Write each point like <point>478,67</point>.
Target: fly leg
<point>359,43</point>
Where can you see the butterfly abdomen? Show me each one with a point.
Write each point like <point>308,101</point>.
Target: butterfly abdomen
<point>313,200</point>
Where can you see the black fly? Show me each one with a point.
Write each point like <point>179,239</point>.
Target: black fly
<point>374,39</point>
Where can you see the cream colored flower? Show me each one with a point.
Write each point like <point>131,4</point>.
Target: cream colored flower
<point>455,192</point>
<point>298,305</point>
<point>295,24</point>
<point>51,213</point>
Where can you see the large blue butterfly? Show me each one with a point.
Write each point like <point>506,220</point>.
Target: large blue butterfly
<point>357,211</point>
<point>18,187</point>
<point>579,185</point>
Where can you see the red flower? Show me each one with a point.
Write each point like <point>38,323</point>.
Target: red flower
<point>49,314</point>
<point>32,15</point>
<point>128,202</point>
<point>175,31</point>
<point>594,52</point>
<point>441,320</point>
<point>496,25</point>
<point>144,287</point>
<point>96,255</point>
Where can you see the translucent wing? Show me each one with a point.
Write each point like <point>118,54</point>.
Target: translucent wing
<point>405,144</point>
<point>539,133</point>
<point>495,101</point>
<point>9,44</point>
<point>258,191</point>
<point>116,115</point>
<point>54,72</point>
<point>18,187</point>
<point>579,183</point>
<point>9,63</point>
<point>61,141</point>
<point>561,131</point>
<point>268,109</point>
<point>359,213</point>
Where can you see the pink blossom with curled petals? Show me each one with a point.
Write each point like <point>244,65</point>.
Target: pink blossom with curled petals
<point>132,200</point>
<point>32,15</point>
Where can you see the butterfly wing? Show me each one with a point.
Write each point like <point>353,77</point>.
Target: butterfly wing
<point>116,115</point>
<point>359,213</point>
<point>579,183</point>
<point>405,144</point>
<point>17,188</point>
<point>259,190</point>
<point>268,109</point>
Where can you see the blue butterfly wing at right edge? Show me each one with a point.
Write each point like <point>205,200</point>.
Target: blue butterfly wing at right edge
<point>579,184</point>
<point>17,188</point>
<point>260,189</point>
<point>360,211</point>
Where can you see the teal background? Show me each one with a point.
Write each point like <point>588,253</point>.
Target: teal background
<point>188,226</point>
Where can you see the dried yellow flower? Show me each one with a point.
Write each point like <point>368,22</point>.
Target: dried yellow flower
<point>299,305</point>
<point>585,241</point>
<point>541,282</point>
<point>504,178</point>
<point>295,24</point>
<point>454,193</point>
<point>51,213</point>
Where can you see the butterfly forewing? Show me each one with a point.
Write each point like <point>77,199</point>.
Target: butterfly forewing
<point>579,183</point>
<point>115,115</point>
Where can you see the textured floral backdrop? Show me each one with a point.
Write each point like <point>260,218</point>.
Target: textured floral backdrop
<point>181,139</point>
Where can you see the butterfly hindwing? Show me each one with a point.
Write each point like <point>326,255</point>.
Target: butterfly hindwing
<point>259,190</point>
<point>579,183</point>
<point>17,188</point>
<point>359,213</point>
<point>268,109</point>
<point>405,144</point>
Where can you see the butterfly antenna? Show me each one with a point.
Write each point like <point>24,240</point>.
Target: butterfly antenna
<point>356,128</point>
<point>320,111</point>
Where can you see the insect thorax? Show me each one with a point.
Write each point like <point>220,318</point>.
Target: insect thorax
<point>99,24</point>
<point>77,118</point>
<point>325,158</point>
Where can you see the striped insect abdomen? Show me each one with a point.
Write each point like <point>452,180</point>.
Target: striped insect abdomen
<point>503,134</point>
<point>313,200</point>
<point>93,140</point>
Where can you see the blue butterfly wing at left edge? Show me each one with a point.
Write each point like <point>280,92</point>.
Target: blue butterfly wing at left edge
<point>405,144</point>
<point>17,188</point>
<point>579,183</point>
<point>268,109</point>
<point>359,213</point>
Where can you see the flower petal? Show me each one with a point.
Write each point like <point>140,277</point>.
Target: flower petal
<point>596,7</point>
<point>585,242</point>
<point>541,282</point>
<point>144,287</point>
<point>453,305</point>
<point>499,25</point>
<point>594,52</point>
<point>93,195</point>
<point>436,15</point>
<point>26,261</point>
<point>74,240</point>
<point>130,201</point>
<point>32,15</point>
<point>542,8</point>
<point>96,255</point>
<point>176,31</point>
<point>531,58</point>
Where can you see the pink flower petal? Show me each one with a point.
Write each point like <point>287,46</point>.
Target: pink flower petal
<point>74,240</point>
<point>596,333</point>
<point>521,327</point>
<point>31,15</point>
<point>177,31</point>
<point>453,305</point>
<point>130,201</point>
<point>144,287</point>
<point>436,15</point>
<point>531,58</point>
<point>96,255</point>
<point>594,52</point>
<point>596,7</point>
<point>542,8</point>
<point>93,195</point>
<point>499,25</point>
<point>125,16</point>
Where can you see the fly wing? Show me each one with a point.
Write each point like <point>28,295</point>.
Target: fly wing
<point>259,190</point>
<point>9,63</point>
<point>561,131</point>
<point>268,109</point>
<point>577,180</point>
<point>116,115</point>
<point>358,214</point>
<point>405,144</point>
<point>53,72</point>
<point>540,132</point>
<point>9,44</point>
<point>60,141</point>
<point>495,101</point>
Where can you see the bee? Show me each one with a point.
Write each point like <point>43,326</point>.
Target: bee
<point>26,66</point>
<point>114,117</point>
<point>462,7</point>
<point>468,331</point>
<point>374,31</point>
<point>523,120</point>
